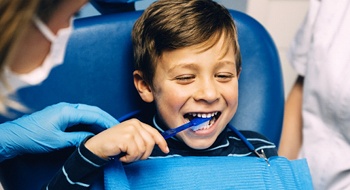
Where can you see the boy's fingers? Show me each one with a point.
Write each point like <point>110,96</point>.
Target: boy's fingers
<point>148,141</point>
<point>136,146</point>
<point>158,139</point>
<point>141,145</point>
<point>135,150</point>
<point>130,154</point>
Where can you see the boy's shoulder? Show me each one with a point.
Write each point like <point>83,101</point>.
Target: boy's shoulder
<point>258,140</point>
<point>254,135</point>
<point>250,135</point>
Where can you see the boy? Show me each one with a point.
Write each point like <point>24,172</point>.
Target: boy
<point>187,61</point>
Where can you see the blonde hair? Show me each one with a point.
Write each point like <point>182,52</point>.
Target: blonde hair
<point>15,15</point>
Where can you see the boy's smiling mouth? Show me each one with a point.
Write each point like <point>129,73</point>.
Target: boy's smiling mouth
<point>214,116</point>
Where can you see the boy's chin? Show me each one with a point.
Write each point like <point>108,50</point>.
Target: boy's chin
<point>200,144</point>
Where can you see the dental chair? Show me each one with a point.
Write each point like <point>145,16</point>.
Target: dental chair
<point>98,68</point>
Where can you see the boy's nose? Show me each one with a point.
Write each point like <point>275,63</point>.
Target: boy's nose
<point>207,92</point>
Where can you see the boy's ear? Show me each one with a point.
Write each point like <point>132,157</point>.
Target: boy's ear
<point>142,87</point>
<point>239,72</point>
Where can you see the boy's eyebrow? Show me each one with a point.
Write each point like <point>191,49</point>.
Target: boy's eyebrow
<point>184,65</point>
<point>223,63</point>
<point>195,66</point>
<point>226,62</point>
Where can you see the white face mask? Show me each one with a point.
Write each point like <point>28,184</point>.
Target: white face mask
<point>54,58</point>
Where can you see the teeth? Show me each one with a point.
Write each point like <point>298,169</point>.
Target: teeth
<point>205,125</point>
<point>202,126</point>
<point>203,115</point>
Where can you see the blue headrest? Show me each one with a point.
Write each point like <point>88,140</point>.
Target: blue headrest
<point>98,70</point>
<point>113,6</point>
<point>261,93</point>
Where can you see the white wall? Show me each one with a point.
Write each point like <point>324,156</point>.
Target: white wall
<point>282,18</point>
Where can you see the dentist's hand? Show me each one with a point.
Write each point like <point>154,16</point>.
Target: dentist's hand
<point>44,131</point>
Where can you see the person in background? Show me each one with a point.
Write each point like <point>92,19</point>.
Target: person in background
<point>317,116</point>
<point>33,37</point>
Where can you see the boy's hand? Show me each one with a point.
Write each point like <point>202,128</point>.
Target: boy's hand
<point>132,137</point>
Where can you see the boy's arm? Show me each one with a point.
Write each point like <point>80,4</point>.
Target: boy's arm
<point>80,170</point>
<point>291,137</point>
<point>132,138</point>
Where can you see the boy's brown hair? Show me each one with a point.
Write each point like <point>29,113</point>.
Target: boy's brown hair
<point>173,24</point>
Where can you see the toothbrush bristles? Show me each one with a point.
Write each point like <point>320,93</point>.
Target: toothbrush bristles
<point>200,123</point>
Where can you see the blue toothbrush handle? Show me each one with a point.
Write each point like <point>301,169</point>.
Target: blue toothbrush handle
<point>172,132</point>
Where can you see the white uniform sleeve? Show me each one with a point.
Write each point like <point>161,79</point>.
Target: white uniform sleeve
<point>298,53</point>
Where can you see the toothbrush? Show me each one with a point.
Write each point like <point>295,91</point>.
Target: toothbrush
<point>194,122</point>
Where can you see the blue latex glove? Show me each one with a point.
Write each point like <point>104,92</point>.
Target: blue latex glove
<point>43,131</point>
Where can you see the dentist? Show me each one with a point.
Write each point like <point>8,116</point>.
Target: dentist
<point>33,37</point>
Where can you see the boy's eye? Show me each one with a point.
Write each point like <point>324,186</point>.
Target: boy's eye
<point>183,79</point>
<point>224,76</point>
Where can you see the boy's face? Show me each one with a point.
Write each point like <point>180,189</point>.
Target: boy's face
<point>194,81</point>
